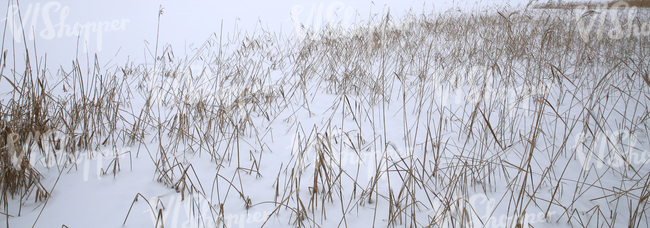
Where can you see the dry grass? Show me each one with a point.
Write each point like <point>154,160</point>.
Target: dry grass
<point>406,117</point>
<point>573,5</point>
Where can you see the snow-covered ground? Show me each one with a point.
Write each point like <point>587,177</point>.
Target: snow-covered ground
<point>255,113</point>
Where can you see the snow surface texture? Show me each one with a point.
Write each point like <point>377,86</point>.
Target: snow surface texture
<point>324,114</point>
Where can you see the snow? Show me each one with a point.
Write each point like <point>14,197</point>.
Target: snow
<point>270,154</point>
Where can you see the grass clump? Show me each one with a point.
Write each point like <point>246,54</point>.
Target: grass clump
<point>500,117</point>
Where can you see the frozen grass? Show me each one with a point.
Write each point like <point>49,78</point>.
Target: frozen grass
<point>591,4</point>
<point>499,117</point>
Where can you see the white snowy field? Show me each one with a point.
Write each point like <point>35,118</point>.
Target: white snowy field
<point>324,114</point>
